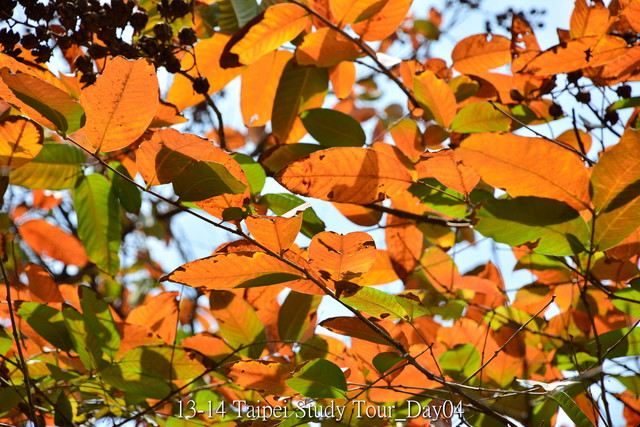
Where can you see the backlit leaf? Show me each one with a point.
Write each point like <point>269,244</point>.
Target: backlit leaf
<point>461,361</point>
<point>253,171</point>
<point>436,96</point>
<point>346,175</point>
<point>342,257</point>
<point>100,321</point>
<point>84,341</point>
<point>280,156</point>
<point>276,233</point>
<point>352,327</point>
<point>203,180</point>
<point>47,322</point>
<point>319,378</point>
<point>239,324</point>
<point>550,226</point>
<point>481,117</point>
<point>295,315</point>
<point>572,409</point>
<point>279,24</point>
<point>615,183</point>
<point>234,270</point>
<point>512,163</point>
<point>159,313</point>
<point>121,104</point>
<point>588,20</point>
<point>42,101</point>
<point>480,53</point>
<point>261,375</point>
<point>383,23</point>
<point>332,128</point>
<point>326,48</point>
<point>343,77</point>
<point>20,142</point>
<point>282,203</point>
<point>48,240</point>
<point>449,169</point>
<point>347,12</point>
<point>98,221</point>
<point>375,303</point>
<point>56,167</point>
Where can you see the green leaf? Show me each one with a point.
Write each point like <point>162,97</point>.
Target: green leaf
<point>427,29</point>
<point>253,171</point>
<point>245,10</point>
<point>481,117</point>
<point>385,361</point>
<point>6,342</point>
<point>412,305</point>
<point>9,398</point>
<point>54,104</point>
<point>461,362</point>
<point>297,87</point>
<point>572,409</point>
<point>163,362</point>
<point>126,192</point>
<point>628,307</point>
<point>333,128</point>
<point>625,103</point>
<point>122,378</point>
<point>203,180</point>
<point>100,321</point>
<point>281,203</point>
<point>85,343</point>
<point>293,317</point>
<point>99,224</point>
<point>618,343</point>
<point>555,227</point>
<point>632,383</point>
<point>376,303</point>
<point>56,167</point>
<point>234,14</point>
<point>280,156</point>
<point>319,378</point>
<point>48,323</point>
<point>268,279</point>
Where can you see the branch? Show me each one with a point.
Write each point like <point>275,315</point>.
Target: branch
<point>558,143</point>
<point>456,223</point>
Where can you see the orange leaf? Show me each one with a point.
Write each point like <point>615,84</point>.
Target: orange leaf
<point>207,344</point>
<point>326,48</point>
<point>436,96</point>
<point>570,138</point>
<point>167,115</point>
<point>261,375</point>
<point>234,270</point>
<point>342,257</point>
<point>408,138</point>
<point>41,285</point>
<point>384,23</point>
<point>121,104</point>
<point>380,273</point>
<point>576,54</point>
<point>614,183</point>
<point>477,53</point>
<point>279,24</point>
<point>448,168</point>
<point>528,167</point>
<point>346,175</point>
<point>404,244</point>
<point>259,84</point>
<point>632,14</point>
<point>20,141</point>
<point>207,52</point>
<point>352,327</point>
<point>276,233</point>
<point>47,239</point>
<point>359,215</point>
<point>588,20</point>
<point>159,313</point>
<point>343,77</point>
<point>350,11</point>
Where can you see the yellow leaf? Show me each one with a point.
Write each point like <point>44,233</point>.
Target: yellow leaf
<point>380,273</point>
<point>20,141</point>
<point>346,175</point>
<point>276,233</point>
<point>207,54</point>
<point>435,95</point>
<point>121,104</point>
<point>281,23</point>
<point>528,167</point>
<point>349,11</point>
<point>343,77</point>
<point>448,168</point>
<point>259,84</point>
<point>478,53</point>
<point>342,257</point>
<point>326,48</point>
<point>588,20</point>
<point>384,23</point>
<point>234,270</point>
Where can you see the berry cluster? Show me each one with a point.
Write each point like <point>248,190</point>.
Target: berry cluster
<point>98,28</point>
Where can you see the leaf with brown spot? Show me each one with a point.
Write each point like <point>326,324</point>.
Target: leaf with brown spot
<point>346,175</point>
<point>159,313</point>
<point>343,257</point>
<point>449,169</point>
<point>261,375</point>
<point>276,233</point>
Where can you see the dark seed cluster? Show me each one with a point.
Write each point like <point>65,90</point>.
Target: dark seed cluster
<point>98,28</point>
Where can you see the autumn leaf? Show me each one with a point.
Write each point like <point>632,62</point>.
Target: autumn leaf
<point>49,240</point>
<point>481,117</point>
<point>20,142</point>
<point>279,24</point>
<point>121,104</point>
<point>276,233</point>
<point>158,313</point>
<point>435,95</point>
<point>342,77</point>
<point>347,12</point>
<point>346,175</point>
<point>342,257</point>
<point>480,53</point>
<point>264,376</point>
<point>234,270</point>
<point>511,163</point>
<point>384,22</point>
<point>326,48</point>
<point>448,168</point>
<point>588,20</point>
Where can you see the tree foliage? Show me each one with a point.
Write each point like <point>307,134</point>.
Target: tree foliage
<point>99,162</point>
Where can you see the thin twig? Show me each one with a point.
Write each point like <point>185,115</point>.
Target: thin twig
<point>456,223</point>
